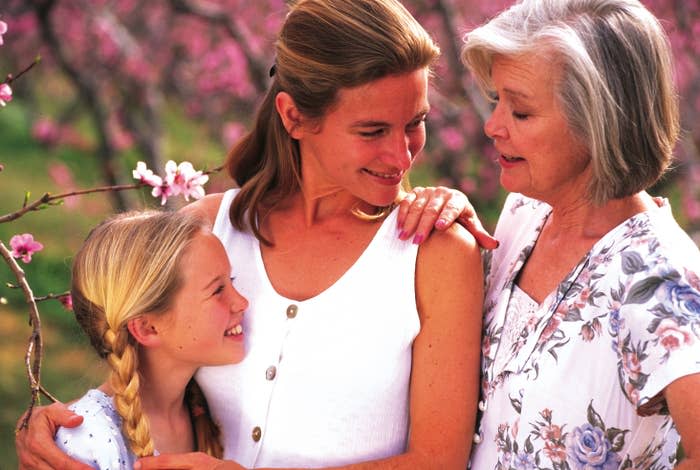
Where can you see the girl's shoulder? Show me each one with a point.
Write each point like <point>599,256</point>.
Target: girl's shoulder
<point>98,441</point>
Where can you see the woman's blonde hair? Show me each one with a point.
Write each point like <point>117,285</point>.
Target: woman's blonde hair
<point>128,266</point>
<point>616,87</point>
<point>324,45</point>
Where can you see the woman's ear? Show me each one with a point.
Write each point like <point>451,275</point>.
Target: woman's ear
<point>144,331</point>
<point>289,113</point>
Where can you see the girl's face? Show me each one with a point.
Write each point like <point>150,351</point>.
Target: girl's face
<point>203,327</point>
<point>367,141</point>
<point>540,156</point>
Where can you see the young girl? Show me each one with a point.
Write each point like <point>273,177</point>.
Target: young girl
<point>153,292</point>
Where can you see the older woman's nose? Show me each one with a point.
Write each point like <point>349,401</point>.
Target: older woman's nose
<point>494,126</point>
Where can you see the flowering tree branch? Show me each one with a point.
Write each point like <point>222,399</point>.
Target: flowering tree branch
<point>48,199</point>
<point>35,348</point>
<point>180,179</point>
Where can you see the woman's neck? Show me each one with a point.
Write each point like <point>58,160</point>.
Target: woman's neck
<point>582,219</point>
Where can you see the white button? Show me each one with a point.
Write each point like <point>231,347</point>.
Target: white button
<point>477,438</point>
<point>482,405</point>
<point>271,372</point>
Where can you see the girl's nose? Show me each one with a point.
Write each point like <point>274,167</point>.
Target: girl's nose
<point>238,302</point>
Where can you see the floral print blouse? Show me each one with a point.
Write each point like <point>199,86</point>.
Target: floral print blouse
<point>580,386</point>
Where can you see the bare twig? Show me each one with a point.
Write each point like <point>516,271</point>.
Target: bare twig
<point>11,78</point>
<point>48,198</point>
<point>35,347</point>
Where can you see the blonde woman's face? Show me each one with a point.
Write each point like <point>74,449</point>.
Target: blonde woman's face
<point>367,141</point>
<point>204,326</point>
<point>539,155</point>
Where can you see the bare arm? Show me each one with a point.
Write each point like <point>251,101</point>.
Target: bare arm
<point>683,397</point>
<point>445,371</point>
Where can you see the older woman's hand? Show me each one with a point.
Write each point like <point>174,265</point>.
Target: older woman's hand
<point>423,209</point>
<point>35,444</point>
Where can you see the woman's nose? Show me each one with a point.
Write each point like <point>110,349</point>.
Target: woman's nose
<point>494,127</point>
<point>401,152</point>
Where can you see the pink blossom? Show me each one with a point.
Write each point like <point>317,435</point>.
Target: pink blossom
<point>46,131</point>
<point>163,192</point>
<point>452,138</point>
<point>23,246</point>
<point>3,30</point>
<point>146,176</point>
<point>5,94</point>
<point>184,179</point>
<point>66,301</point>
<point>231,132</point>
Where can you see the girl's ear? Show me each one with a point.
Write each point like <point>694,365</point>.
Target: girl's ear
<point>144,331</point>
<point>289,113</point>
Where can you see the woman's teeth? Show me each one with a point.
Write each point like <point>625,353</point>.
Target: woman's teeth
<point>383,175</point>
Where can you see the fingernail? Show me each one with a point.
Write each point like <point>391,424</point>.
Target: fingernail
<point>403,235</point>
<point>441,223</point>
<point>418,239</point>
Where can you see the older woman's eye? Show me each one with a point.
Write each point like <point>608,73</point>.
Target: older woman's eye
<point>520,116</point>
<point>372,133</point>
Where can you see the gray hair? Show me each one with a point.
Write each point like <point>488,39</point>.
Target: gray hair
<point>616,86</point>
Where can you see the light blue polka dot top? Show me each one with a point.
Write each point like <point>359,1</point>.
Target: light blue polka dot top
<point>98,441</point>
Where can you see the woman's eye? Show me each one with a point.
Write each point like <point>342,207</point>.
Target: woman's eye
<point>372,133</point>
<point>418,122</point>
<point>219,290</point>
<point>520,116</point>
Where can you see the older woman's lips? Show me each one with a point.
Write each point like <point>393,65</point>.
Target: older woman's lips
<point>509,162</point>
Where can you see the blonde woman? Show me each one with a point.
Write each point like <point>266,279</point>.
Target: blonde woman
<point>362,347</point>
<point>152,290</point>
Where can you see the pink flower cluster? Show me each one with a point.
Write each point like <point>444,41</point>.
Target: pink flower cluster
<point>5,90</point>
<point>24,246</point>
<point>179,179</point>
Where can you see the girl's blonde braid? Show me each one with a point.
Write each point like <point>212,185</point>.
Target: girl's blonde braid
<point>124,380</point>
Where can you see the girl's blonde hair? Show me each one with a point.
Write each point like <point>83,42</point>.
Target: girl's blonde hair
<point>128,266</point>
<point>324,46</point>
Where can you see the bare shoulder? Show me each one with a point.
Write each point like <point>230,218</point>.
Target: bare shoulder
<point>455,243</point>
<point>206,207</point>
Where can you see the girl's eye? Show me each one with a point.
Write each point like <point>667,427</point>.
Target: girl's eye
<point>219,290</point>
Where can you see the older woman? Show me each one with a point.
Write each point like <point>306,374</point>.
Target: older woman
<point>591,348</point>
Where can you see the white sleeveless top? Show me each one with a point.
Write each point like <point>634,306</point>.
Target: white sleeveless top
<point>325,381</point>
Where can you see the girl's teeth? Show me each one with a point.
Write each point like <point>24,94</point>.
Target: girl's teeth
<point>234,331</point>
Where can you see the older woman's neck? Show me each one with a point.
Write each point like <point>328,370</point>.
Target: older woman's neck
<point>583,219</point>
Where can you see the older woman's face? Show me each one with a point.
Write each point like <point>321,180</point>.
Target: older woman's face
<point>539,155</point>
